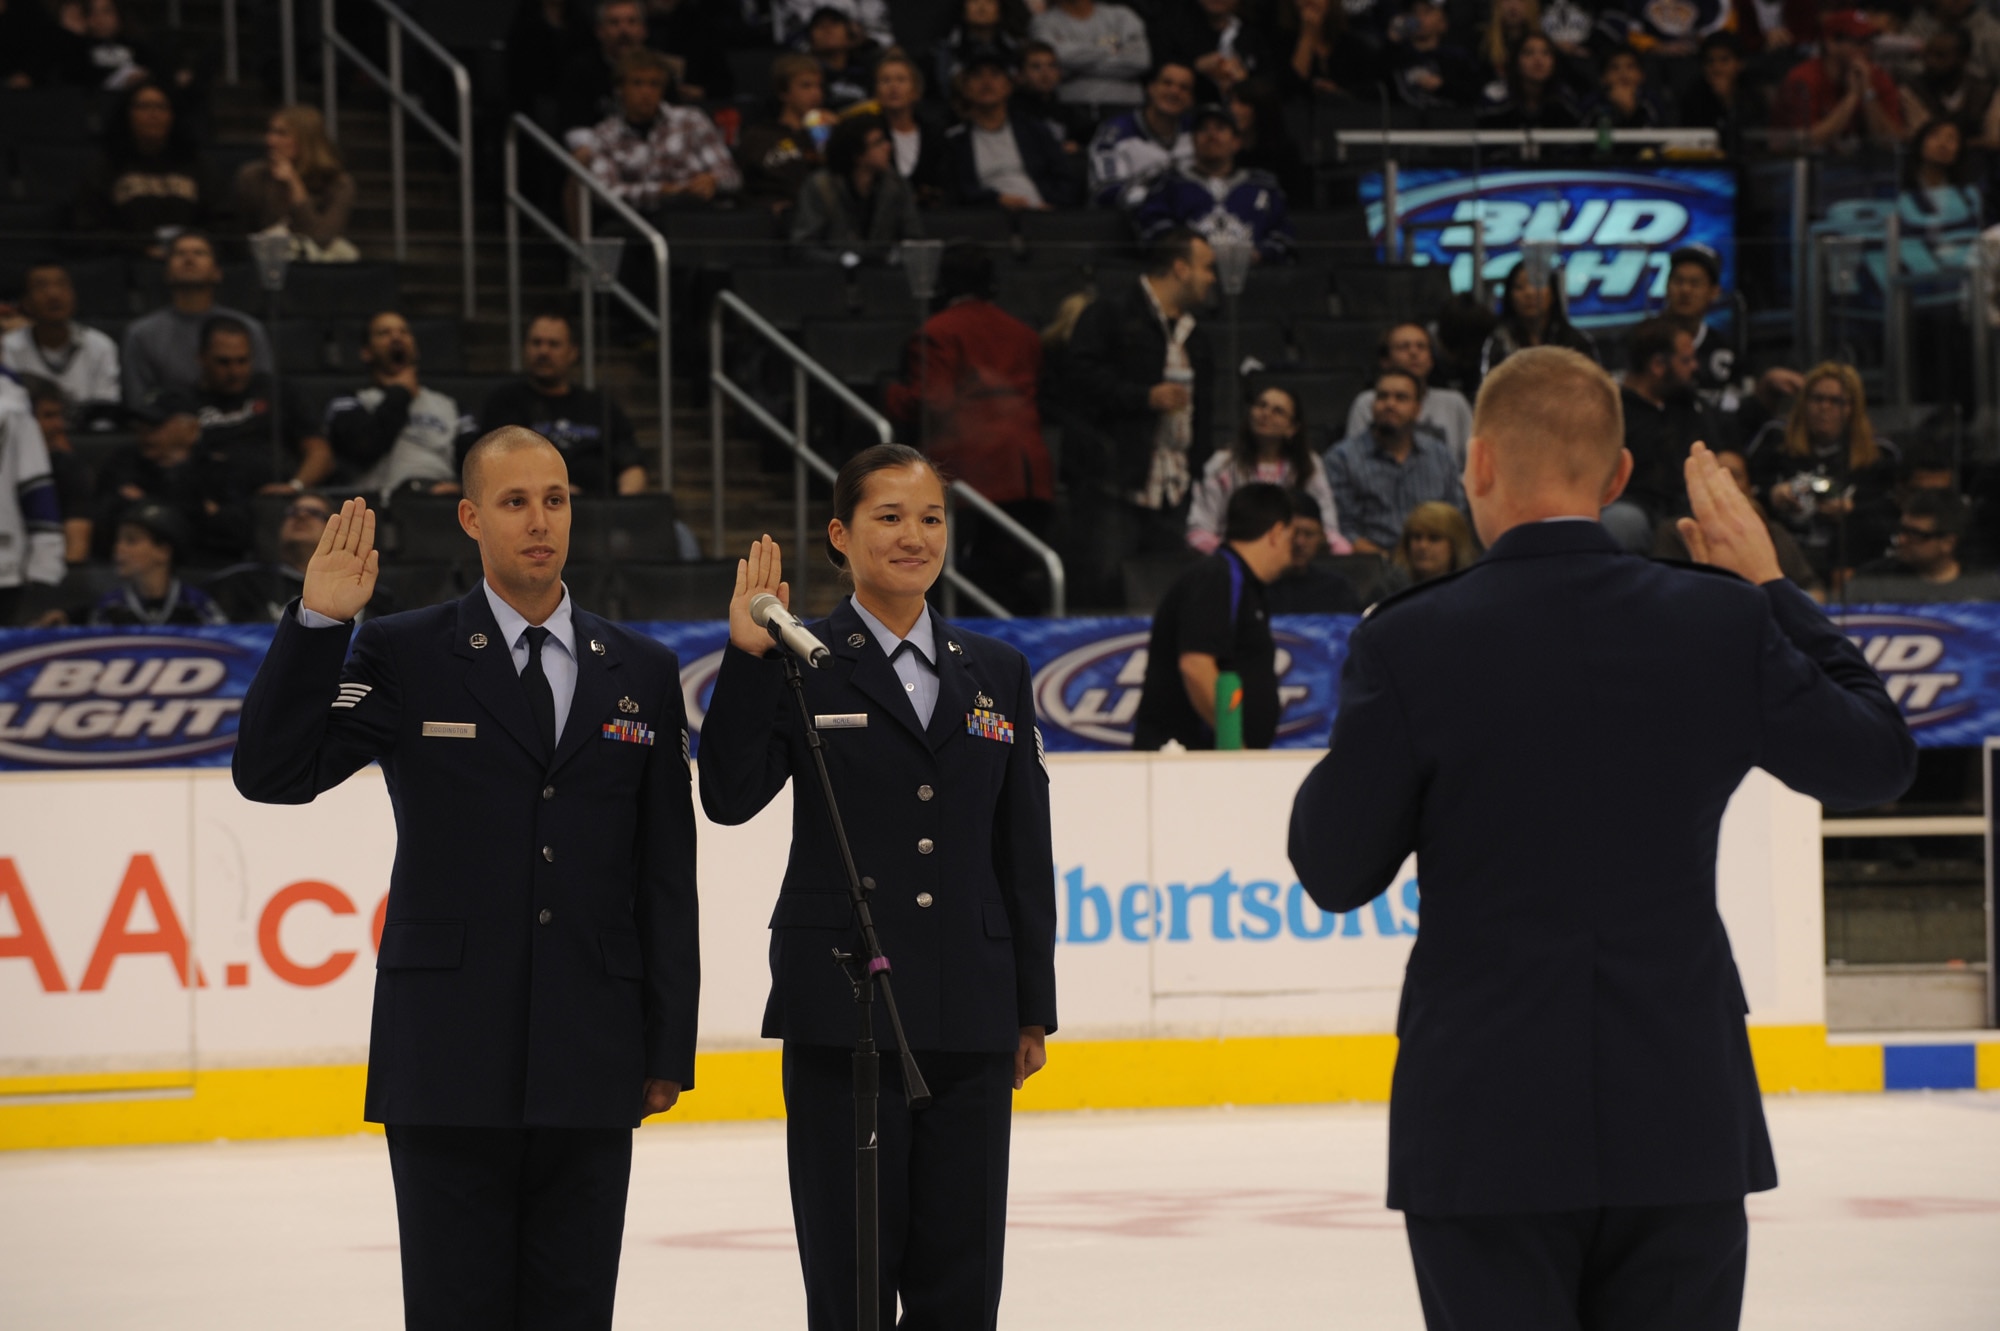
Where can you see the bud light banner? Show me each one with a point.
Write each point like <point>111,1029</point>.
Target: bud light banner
<point>1612,229</point>
<point>93,699</point>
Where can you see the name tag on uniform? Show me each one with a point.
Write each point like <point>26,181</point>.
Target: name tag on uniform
<point>989,725</point>
<point>450,730</point>
<point>628,732</point>
<point>841,721</point>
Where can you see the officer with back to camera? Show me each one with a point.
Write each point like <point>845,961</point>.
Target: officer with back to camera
<point>1555,732</point>
<point>538,968</point>
<point>930,739</point>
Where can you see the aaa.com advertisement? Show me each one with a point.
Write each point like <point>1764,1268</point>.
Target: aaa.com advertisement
<point>1613,229</point>
<point>77,700</point>
<point>156,921</point>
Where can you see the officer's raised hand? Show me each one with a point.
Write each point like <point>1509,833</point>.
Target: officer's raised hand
<point>755,575</point>
<point>340,578</point>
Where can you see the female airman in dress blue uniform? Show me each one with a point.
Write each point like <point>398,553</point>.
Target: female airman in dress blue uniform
<point>929,735</point>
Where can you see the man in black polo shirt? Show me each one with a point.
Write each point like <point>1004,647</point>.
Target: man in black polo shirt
<point>1213,619</point>
<point>577,421</point>
<point>235,401</point>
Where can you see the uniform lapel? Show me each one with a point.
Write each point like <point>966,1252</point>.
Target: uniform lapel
<point>595,688</point>
<point>490,676</point>
<point>955,685</point>
<point>868,666</point>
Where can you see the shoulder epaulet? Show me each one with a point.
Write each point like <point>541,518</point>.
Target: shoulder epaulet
<point>1710,569</point>
<point>1418,589</point>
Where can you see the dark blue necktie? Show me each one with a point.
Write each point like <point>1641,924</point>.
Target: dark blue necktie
<point>541,698</point>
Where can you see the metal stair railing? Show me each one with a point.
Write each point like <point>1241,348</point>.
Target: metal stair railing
<point>805,372</point>
<point>401,103</point>
<point>655,318</point>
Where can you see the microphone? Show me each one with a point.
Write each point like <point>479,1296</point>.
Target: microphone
<point>769,613</point>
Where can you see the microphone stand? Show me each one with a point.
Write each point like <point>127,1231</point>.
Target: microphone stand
<point>864,973</point>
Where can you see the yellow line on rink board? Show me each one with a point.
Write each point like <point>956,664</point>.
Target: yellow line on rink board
<point>118,1109</point>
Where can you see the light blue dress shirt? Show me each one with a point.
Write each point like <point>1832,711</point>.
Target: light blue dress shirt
<point>558,666</point>
<point>917,668</point>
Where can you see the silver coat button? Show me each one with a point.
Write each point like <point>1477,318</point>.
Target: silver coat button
<point>549,854</point>
<point>924,900</point>
<point>924,793</point>
<point>925,846</point>
<point>548,792</point>
<point>546,915</point>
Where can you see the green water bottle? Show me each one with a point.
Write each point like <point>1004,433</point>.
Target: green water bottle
<point>1229,710</point>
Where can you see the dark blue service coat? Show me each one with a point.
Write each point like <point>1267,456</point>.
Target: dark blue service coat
<point>1555,733</point>
<point>953,827</point>
<point>540,955</point>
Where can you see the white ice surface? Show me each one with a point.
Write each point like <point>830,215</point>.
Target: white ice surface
<point>1888,1217</point>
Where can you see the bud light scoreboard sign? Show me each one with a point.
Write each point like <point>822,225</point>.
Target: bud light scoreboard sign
<point>93,699</point>
<point>1612,229</point>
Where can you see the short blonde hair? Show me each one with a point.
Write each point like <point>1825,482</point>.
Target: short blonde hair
<point>1553,413</point>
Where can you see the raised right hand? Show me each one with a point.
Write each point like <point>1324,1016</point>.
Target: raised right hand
<point>760,572</point>
<point>1726,529</point>
<point>340,577</point>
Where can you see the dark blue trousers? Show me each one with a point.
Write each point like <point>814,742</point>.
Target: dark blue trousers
<point>943,1183</point>
<point>1618,1268</point>
<point>514,1228</point>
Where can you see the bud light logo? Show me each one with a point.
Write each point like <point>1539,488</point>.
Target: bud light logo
<point>1612,230</point>
<point>1091,693</point>
<point>120,701</point>
<point>1913,655</point>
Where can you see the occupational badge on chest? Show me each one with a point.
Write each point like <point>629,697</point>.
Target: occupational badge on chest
<point>627,706</point>
<point>988,724</point>
<point>628,732</point>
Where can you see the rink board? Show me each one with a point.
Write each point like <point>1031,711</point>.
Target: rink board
<point>179,964</point>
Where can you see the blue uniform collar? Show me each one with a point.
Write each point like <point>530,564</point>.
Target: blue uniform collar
<point>512,622</point>
<point>923,635</point>
<point>1536,540</point>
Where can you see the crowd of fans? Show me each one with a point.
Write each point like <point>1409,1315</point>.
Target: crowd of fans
<point>1114,431</point>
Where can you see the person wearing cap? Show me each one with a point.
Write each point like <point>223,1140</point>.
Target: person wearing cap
<point>168,466</point>
<point>1216,200</point>
<point>1694,287</point>
<point>1840,96</point>
<point>845,55</point>
<point>998,155</point>
<point>150,537</point>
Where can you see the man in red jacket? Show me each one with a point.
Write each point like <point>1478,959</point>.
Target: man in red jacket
<point>974,376</point>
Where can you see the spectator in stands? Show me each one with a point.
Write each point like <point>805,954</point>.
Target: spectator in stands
<point>998,26</point>
<point>1446,416</point>
<point>167,466</point>
<point>115,57</point>
<point>656,156</point>
<point>163,349</point>
<point>394,433</point>
<point>1925,561</point>
<point>1214,618</point>
<point>1216,199</point>
<point>1133,149</point>
<point>971,396</point>
<point>1981,29</point>
<point>587,91</point>
<point>1791,560</point>
<point>844,55</point>
<point>81,361</point>
<point>259,593</point>
<point>1427,68</point>
<point>299,185</point>
<point>1271,447</point>
<point>1328,55</point>
<point>1721,99</point>
<point>146,553</point>
<point>1436,541</point>
<point>1947,89</point>
<point>1002,156</point>
<point>1308,586</point>
<point>1531,315</point>
<point>1533,94</point>
<point>578,421</point>
<point>1664,420</point>
<point>1508,23</point>
<point>31,523</point>
<point>72,476</point>
<point>915,127</point>
<point>857,208</point>
<point>793,19</point>
<point>1040,97</point>
<point>1224,41</point>
<point>1669,37</point>
<point>778,154</point>
<point>1264,142</point>
<point>1694,286</point>
<point>1936,160</point>
<point>1103,50</point>
<point>150,179</point>
<point>235,404</point>
<point>1139,384</point>
<point>1625,99</point>
<point>1840,97</point>
<point>1380,476</point>
<point>1826,474</point>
